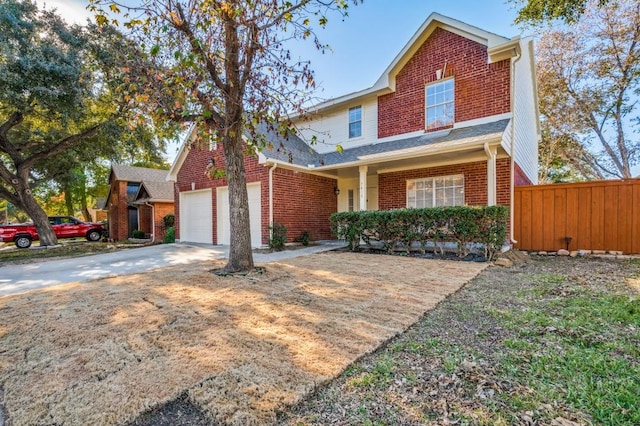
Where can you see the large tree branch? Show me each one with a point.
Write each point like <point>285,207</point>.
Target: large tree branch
<point>14,119</point>
<point>196,47</point>
<point>9,196</point>
<point>6,175</point>
<point>59,147</point>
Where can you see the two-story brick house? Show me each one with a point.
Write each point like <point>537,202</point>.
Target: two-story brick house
<point>453,120</point>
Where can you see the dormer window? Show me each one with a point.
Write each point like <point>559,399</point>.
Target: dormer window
<point>355,122</point>
<point>439,104</point>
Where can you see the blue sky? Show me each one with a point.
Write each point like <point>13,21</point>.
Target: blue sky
<point>365,42</point>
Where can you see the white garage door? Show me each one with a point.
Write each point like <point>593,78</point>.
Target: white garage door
<point>255,214</point>
<point>196,223</point>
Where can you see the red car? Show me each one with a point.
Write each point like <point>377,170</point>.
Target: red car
<point>23,234</point>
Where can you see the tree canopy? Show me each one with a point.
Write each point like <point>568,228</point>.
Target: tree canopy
<point>538,11</point>
<point>225,66</point>
<point>58,103</point>
<point>589,83</point>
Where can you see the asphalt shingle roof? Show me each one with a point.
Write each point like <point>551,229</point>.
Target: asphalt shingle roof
<point>158,191</point>
<point>138,174</point>
<point>294,150</point>
<point>289,149</point>
<point>466,134</point>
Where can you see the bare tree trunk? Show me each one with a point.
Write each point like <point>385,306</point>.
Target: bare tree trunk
<point>83,200</point>
<point>240,254</point>
<point>68,201</point>
<point>37,214</point>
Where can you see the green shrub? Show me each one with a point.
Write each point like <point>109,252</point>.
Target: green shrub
<point>304,238</point>
<point>169,221</point>
<point>137,233</point>
<point>170,235</point>
<point>403,228</point>
<point>278,236</point>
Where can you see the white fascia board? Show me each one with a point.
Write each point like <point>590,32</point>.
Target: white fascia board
<point>386,82</point>
<point>435,20</point>
<point>360,96</point>
<point>439,148</point>
<point>172,176</point>
<point>297,168</point>
<point>404,154</point>
<point>507,50</point>
<point>483,120</point>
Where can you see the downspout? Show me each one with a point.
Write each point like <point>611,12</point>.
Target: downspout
<point>153,221</point>
<point>271,198</point>
<point>513,143</point>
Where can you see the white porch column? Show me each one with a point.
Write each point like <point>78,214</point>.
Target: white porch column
<point>491,174</point>
<point>363,187</point>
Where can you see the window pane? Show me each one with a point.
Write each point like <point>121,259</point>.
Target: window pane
<point>439,104</point>
<point>355,129</point>
<point>355,122</point>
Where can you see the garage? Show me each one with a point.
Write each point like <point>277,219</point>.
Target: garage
<point>196,222</point>
<point>255,214</point>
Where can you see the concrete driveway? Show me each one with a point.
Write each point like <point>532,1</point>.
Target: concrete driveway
<point>32,276</point>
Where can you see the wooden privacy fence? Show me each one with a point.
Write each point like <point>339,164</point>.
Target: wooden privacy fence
<point>600,215</point>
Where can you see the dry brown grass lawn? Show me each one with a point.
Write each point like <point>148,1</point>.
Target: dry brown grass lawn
<point>242,348</point>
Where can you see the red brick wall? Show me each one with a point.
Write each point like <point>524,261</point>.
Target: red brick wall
<point>520,178</point>
<point>193,170</point>
<point>144,219</point>
<point>301,201</point>
<point>304,202</point>
<point>481,89</point>
<point>160,211</point>
<point>392,187</point>
<point>118,214</point>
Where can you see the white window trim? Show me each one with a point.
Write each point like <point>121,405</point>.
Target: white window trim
<point>349,123</point>
<point>433,179</point>
<point>426,106</point>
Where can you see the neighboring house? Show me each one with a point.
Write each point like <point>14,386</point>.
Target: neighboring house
<point>138,198</point>
<point>453,120</point>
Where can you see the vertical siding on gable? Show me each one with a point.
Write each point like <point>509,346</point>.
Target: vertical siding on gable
<point>525,120</point>
<point>481,89</point>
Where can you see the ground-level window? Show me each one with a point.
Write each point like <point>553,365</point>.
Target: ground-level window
<point>355,122</point>
<point>351,201</point>
<point>436,191</point>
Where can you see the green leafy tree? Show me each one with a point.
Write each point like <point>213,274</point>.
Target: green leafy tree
<point>539,11</point>
<point>225,66</point>
<point>56,95</point>
<point>589,81</point>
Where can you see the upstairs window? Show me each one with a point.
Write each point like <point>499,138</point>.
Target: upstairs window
<point>435,192</point>
<point>355,122</point>
<point>132,188</point>
<point>439,104</point>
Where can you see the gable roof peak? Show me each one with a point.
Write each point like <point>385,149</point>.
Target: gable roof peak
<point>433,21</point>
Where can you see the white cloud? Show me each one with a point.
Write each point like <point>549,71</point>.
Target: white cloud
<point>72,11</point>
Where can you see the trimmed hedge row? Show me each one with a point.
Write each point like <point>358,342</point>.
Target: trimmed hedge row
<point>436,226</point>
